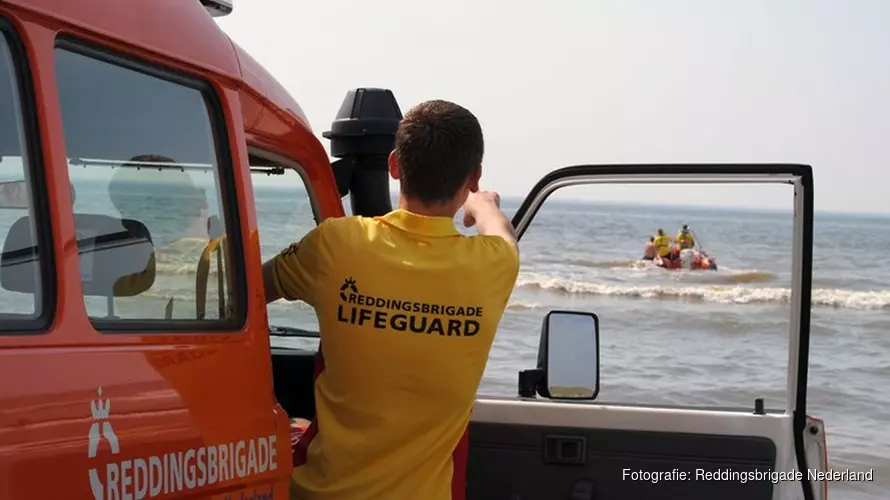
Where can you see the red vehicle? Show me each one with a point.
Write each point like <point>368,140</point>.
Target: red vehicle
<point>136,353</point>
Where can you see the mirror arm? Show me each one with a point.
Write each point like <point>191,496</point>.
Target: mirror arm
<point>529,382</point>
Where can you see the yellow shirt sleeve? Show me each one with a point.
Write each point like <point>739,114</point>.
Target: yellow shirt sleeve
<point>298,268</point>
<point>503,264</point>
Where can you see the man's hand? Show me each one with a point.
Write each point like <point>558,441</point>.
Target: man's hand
<point>483,210</point>
<point>481,201</point>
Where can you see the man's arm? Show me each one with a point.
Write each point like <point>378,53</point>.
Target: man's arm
<point>293,273</point>
<point>272,293</point>
<point>490,221</point>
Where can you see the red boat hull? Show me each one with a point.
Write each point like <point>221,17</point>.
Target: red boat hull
<point>687,259</point>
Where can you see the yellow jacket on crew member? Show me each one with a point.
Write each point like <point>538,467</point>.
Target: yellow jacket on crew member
<point>405,336</point>
<point>662,244</point>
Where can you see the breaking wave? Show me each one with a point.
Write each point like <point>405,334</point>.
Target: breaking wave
<point>519,305</point>
<point>727,286</point>
<point>742,276</point>
<point>835,298</point>
<point>724,275</point>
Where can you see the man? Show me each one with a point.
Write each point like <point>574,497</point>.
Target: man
<point>649,249</point>
<point>684,238</point>
<point>662,244</point>
<point>407,309</point>
<point>186,209</point>
<point>176,211</point>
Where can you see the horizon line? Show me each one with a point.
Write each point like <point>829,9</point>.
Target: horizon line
<point>519,199</point>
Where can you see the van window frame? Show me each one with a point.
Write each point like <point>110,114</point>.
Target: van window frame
<point>297,166</point>
<point>228,194</point>
<point>29,120</point>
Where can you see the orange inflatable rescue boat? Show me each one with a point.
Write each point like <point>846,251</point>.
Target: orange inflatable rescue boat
<point>688,258</point>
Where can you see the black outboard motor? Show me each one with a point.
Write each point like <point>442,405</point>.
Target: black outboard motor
<point>362,136</point>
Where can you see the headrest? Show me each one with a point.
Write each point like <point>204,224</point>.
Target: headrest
<point>116,256</point>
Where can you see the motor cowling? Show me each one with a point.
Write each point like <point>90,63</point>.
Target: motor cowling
<point>687,258</point>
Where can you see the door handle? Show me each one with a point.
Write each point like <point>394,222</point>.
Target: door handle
<point>565,449</point>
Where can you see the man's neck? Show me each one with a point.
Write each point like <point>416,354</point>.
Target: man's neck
<point>438,210</point>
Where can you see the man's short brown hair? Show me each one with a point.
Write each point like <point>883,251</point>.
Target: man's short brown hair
<point>438,146</point>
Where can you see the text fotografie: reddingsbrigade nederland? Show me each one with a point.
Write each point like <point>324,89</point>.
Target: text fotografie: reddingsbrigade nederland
<point>774,477</point>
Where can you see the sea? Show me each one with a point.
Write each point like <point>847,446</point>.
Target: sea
<point>697,338</point>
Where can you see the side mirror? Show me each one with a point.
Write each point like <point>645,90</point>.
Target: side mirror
<point>568,358</point>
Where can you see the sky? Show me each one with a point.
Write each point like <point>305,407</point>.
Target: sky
<point>580,81</point>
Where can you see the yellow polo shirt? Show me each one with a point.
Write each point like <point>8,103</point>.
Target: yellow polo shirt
<point>663,245</point>
<point>684,239</point>
<point>407,308</point>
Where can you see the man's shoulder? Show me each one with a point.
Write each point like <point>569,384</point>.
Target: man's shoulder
<point>346,223</point>
<point>344,232</point>
<point>493,249</point>
<point>491,243</point>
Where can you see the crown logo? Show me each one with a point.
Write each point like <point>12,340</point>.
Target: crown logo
<point>101,427</point>
<point>99,408</point>
<point>348,284</point>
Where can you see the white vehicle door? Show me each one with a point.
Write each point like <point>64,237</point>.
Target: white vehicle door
<point>534,446</point>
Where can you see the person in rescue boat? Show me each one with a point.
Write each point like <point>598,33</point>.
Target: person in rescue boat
<point>662,244</point>
<point>649,250</point>
<point>684,238</point>
<point>407,309</point>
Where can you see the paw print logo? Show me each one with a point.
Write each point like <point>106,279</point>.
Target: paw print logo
<point>348,284</point>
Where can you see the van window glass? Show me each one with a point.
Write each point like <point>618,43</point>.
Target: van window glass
<point>284,215</point>
<point>142,148</point>
<point>22,291</point>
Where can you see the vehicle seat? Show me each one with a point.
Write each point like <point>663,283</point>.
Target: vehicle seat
<point>217,244</point>
<point>117,257</point>
<point>202,276</point>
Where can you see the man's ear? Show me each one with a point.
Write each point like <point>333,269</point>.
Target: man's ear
<point>473,181</point>
<point>393,165</point>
